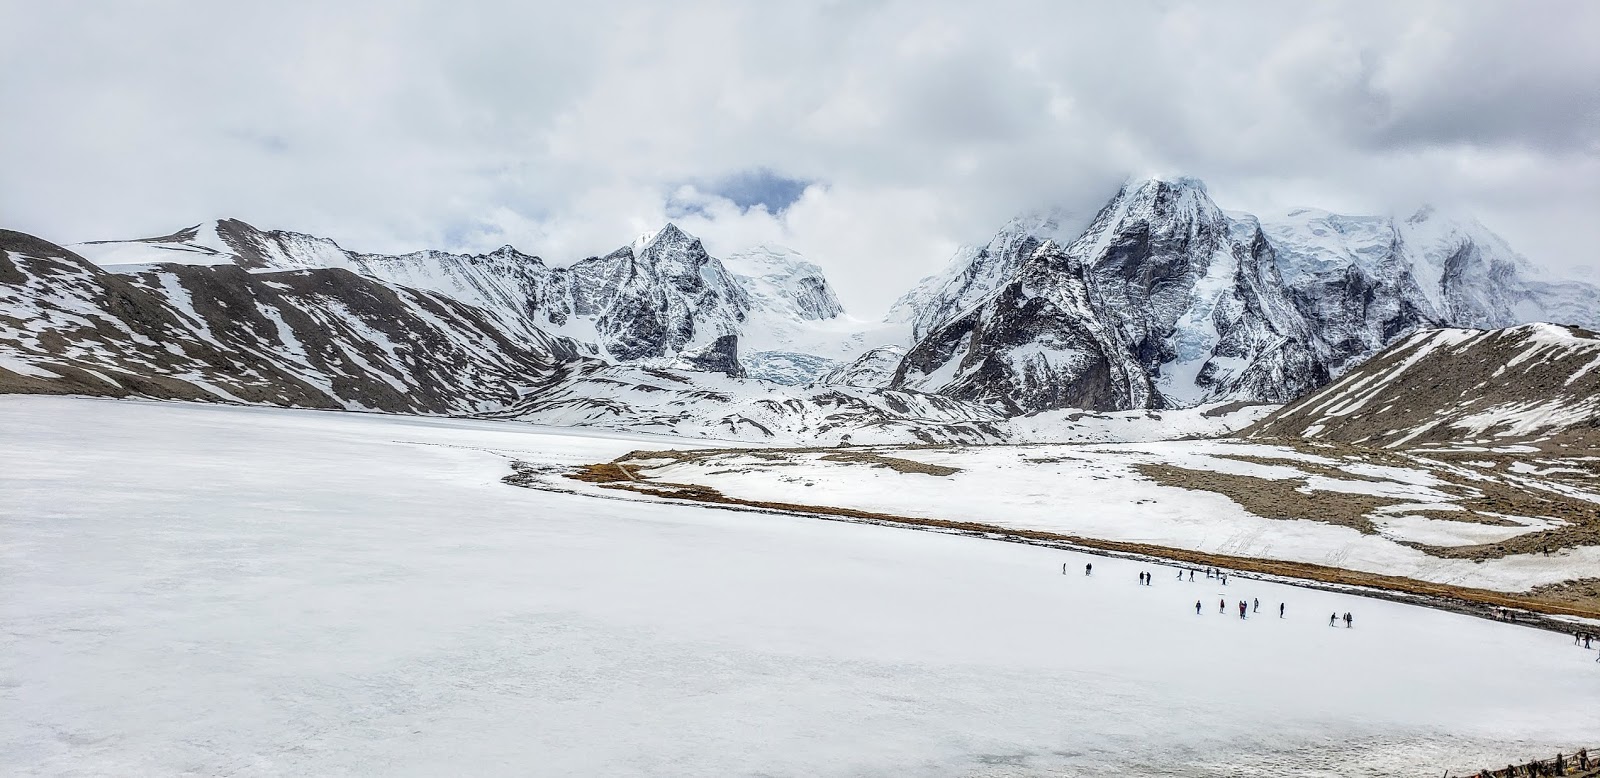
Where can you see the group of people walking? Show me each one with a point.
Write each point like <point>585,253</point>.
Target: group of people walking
<point>1587,640</point>
<point>1146,578</point>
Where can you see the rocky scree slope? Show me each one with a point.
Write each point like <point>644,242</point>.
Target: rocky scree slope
<point>1530,384</point>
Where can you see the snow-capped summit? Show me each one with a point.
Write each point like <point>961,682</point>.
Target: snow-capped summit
<point>779,279</point>
<point>974,272</point>
<point>1164,300</point>
<point>219,242</point>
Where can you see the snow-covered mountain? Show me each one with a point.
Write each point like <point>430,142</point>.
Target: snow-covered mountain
<point>656,300</point>
<point>318,338</point>
<point>1163,300</point>
<point>1532,383</point>
<point>1210,305</point>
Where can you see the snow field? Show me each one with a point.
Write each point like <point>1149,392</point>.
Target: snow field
<point>238,591</point>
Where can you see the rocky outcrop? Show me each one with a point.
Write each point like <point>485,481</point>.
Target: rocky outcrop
<point>718,356</point>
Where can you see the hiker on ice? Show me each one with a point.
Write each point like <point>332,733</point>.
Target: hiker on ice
<point>1347,619</point>
<point>1332,619</point>
<point>1197,607</point>
<point>1280,610</point>
<point>1088,568</point>
<point>1222,606</point>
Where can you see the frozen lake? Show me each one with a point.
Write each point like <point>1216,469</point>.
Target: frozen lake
<point>226,591</point>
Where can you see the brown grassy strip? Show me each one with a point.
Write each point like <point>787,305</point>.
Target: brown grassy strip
<point>611,475</point>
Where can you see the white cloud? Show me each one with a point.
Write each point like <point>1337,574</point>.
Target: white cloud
<point>566,130</point>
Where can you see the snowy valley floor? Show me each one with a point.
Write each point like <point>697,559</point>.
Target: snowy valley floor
<point>235,591</point>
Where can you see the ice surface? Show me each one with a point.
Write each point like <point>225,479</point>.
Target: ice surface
<point>232,591</point>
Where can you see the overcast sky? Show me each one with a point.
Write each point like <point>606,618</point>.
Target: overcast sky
<point>872,136</point>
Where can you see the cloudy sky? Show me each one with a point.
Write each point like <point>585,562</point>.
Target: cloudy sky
<point>872,136</point>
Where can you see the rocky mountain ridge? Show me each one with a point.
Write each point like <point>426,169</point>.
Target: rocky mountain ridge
<point>315,338</point>
<point>1163,300</point>
<point>655,300</point>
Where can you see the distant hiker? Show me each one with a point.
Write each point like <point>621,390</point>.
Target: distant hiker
<point>1586,639</point>
<point>1256,608</point>
<point>1063,568</point>
<point>1208,572</point>
<point>1280,610</point>
<point>1191,575</point>
<point>1224,578</point>
<point>1347,619</point>
<point>1222,606</point>
<point>1332,619</point>
<point>1088,568</point>
<point>1197,607</point>
<point>1180,574</point>
<point>1241,609</point>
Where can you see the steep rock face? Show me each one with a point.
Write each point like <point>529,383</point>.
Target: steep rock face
<point>324,338</point>
<point>1196,296</point>
<point>1034,344</point>
<point>1533,383</point>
